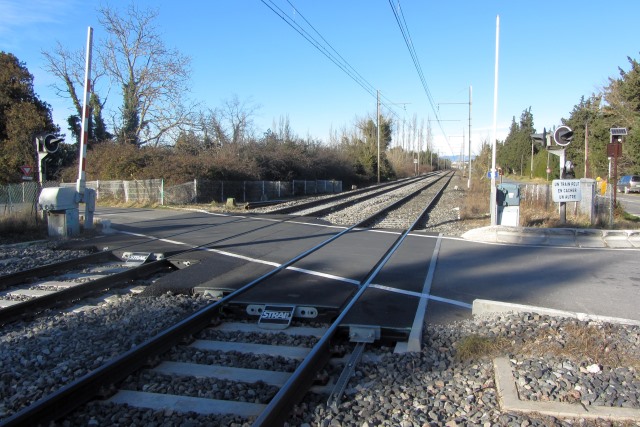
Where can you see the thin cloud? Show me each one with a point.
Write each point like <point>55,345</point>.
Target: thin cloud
<point>20,20</point>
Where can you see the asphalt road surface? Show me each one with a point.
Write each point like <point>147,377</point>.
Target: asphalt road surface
<point>599,281</point>
<point>630,202</point>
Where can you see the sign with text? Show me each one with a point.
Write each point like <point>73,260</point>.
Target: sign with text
<point>566,190</point>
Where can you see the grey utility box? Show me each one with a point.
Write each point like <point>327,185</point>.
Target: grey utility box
<point>508,204</point>
<point>60,205</point>
<point>508,195</point>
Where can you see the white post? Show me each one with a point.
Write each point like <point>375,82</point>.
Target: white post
<point>469,179</point>
<point>492,202</point>
<point>195,189</point>
<point>84,135</point>
<point>378,131</point>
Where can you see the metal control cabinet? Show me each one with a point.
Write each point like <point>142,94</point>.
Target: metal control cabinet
<point>508,195</point>
<point>60,205</point>
<point>508,204</point>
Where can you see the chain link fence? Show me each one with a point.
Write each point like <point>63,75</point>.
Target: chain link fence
<point>19,198</point>
<point>206,191</point>
<point>23,197</point>
<point>599,207</point>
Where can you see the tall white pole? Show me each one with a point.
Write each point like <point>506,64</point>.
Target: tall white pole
<point>492,203</point>
<point>84,135</point>
<point>378,130</point>
<point>469,178</point>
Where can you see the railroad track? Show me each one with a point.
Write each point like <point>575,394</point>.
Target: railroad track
<point>323,205</point>
<point>26,293</point>
<point>274,318</point>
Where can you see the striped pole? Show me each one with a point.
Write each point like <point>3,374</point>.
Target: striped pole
<point>84,135</point>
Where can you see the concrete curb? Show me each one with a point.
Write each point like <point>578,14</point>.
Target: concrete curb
<point>509,401</point>
<point>578,237</point>
<point>483,307</point>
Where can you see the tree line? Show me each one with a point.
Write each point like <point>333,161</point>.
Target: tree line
<point>157,131</point>
<point>616,106</point>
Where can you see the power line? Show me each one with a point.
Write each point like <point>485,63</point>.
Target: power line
<point>337,59</point>
<point>404,29</point>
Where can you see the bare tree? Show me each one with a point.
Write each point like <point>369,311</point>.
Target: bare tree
<point>232,124</point>
<point>152,77</point>
<point>239,119</point>
<point>69,68</point>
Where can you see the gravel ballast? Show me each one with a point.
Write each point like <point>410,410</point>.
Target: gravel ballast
<point>434,387</point>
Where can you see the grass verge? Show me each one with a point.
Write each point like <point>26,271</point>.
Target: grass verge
<point>21,227</point>
<point>577,342</point>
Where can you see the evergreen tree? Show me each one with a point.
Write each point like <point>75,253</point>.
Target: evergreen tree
<point>514,155</point>
<point>130,115</point>
<point>363,150</point>
<point>22,116</point>
<point>623,110</point>
<point>99,131</point>
<point>587,116</point>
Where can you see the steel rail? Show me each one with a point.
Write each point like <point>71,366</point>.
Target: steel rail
<point>72,395</point>
<point>47,270</point>
<point>32,307</point>
<point>408,198</point>
<point>372,192</point>
<point>279,407</point>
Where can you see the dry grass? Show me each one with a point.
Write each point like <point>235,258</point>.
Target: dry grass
<point>595,344</point>
<point>475,347</point>
<point>20,227</point>
<point>476,201</point>
<point>575,342</point>
<point>537,214</point>
<point>115,203</point>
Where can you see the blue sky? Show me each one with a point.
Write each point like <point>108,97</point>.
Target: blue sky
<point>551,54</point>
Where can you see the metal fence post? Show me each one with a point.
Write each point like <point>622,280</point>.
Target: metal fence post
<point>244,192</point>
<point>195,190</point>
<point>162,192</point>
<point>10,202</point>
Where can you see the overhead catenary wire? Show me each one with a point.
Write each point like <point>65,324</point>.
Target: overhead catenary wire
<point>404,29</point>
<point>327,50</point>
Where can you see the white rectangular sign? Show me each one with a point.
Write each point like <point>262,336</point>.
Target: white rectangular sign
<point>566,190</point>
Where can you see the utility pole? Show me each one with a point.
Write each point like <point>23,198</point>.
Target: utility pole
<point>531,169</point>
<point>469,178</point>
<point>378,131</point>
<point>586,150</point>
<point>492,201</point>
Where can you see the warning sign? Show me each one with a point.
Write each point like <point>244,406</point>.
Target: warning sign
<point>566,190</point>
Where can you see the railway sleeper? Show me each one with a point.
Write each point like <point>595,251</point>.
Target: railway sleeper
<point>206,406</point>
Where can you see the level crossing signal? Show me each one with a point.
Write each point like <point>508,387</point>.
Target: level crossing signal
<point>563,135</point>
<point>48,143</point>
<point>541,138</point>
